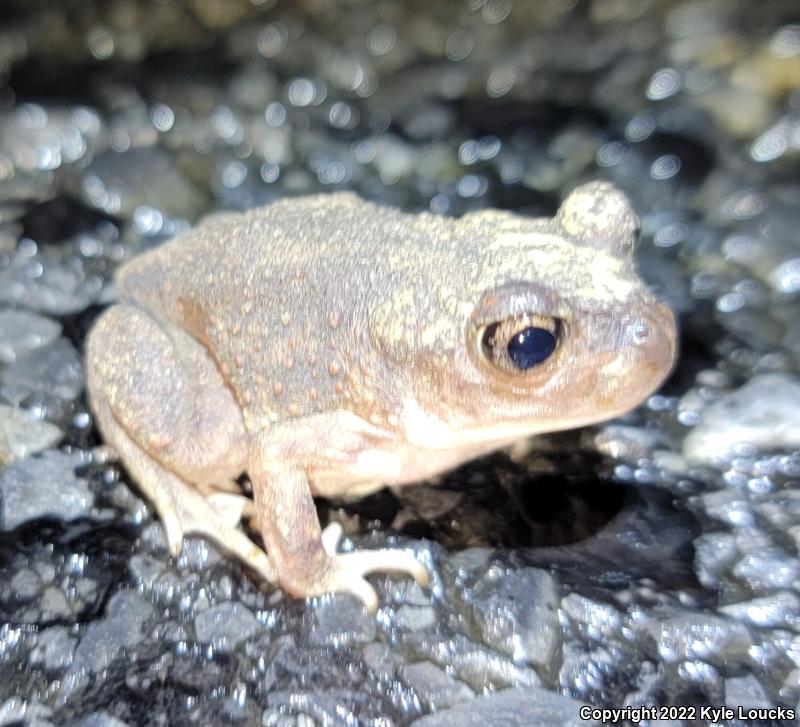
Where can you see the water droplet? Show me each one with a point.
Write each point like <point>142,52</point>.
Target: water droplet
<point>665,167</point>
<point>664,83</point>
<point>613,153</point>
<point>459,45</point>
<point>101,44</point>
<point>381,39</point>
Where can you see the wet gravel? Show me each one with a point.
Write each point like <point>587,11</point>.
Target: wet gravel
<point>648,561</point>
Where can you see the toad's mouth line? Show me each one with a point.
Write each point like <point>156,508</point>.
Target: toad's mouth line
<point>429,432</point>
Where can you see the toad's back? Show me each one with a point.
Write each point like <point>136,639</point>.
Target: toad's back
<point>279,295</point>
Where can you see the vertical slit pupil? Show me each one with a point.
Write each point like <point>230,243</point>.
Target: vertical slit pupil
<point>530,346</point>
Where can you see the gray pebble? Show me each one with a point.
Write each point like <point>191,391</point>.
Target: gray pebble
<point>416,618</point>
<point>382,660</point>
<point>146,568</point>
<point>478,666</point>
<point>768,569</point>
<point>746,692</point>
<point>765,413</point>
<point>122,627</point>
<point>22,333</point>
<point>777,610</point>
<point>338,620</point>
<point>196,553</point>
<point>54,605</point>
<point>16,710</point>
<point>147,177</point>
<point>517,614</point>
<point>435,687</point>
<point>43,486</point>
<point>54,371</point>
<point>25,584</point>
<point>54,288</point>
<point>715,553</point>
<point>225,625</point>
<point>600,618</point>
<point>22,435</point>
<point>54,648</point>
<point>701,636</point>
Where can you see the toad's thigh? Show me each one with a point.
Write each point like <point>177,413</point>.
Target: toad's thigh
<point>166,391</point>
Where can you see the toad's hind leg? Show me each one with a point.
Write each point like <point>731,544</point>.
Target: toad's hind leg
<point>160,400</point>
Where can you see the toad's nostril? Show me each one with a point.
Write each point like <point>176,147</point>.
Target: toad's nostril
<point>661,342</point>
<point>657,326</point>
<point>640,332</point>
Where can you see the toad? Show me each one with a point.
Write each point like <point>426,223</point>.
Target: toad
<point>328,346</point>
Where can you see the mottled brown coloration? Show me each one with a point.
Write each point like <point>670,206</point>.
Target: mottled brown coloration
<point>328,346</point>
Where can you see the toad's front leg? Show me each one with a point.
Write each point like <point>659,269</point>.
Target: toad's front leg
<point>304,556</point>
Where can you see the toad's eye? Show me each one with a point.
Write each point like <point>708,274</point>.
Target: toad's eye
<point>518,344</point>
<point>531,346</point>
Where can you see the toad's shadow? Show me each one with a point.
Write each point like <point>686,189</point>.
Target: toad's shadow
<point>570,519</point>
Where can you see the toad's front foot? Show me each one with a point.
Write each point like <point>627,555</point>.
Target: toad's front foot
<point>349,569</point>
